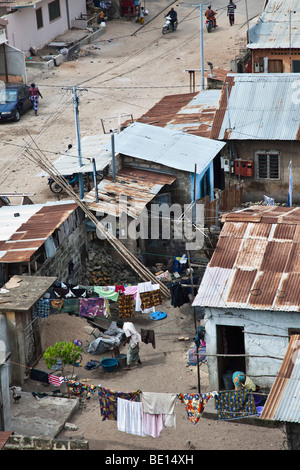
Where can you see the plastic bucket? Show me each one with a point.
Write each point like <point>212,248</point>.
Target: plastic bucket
<point>109,365</point>
<point>122,359</point>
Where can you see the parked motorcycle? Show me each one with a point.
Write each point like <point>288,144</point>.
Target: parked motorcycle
<point>73,181</point>
<point>168,25</point>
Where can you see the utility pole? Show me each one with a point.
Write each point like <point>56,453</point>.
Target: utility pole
<point>80,175</point>
<point>201,44</point>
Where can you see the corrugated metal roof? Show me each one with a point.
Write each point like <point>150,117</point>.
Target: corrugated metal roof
<point>189,112</point>
<point>261,107</point>
<point>283,402</point>
<point>129,193</point>
<point>276,27</point>
<point>256,263</point>
<point>22,235</point>
<point>97,147</point>
<point>167,147</point>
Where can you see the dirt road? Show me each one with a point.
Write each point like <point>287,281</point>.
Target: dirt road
<point>125,72</point>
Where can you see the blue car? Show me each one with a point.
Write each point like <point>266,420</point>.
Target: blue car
<point>14,101</point>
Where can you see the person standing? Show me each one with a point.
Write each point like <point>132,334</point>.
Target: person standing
<point>230,12</point>
<point>142,15</point>
<point>33,95</point>
<point>134,339</point>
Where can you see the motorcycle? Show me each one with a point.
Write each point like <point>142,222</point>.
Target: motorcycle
<point>168,25</point>
<point>73,180</point>
<point>209,25</point>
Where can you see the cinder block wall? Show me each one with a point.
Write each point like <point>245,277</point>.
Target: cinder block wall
<point>73,249</point>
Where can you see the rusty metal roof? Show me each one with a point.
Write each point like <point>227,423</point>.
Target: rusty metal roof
<point>25,228</point>
<point>256,263</point>
<point>283,402</point>
<point>189,112</point>
<point>129,193</point>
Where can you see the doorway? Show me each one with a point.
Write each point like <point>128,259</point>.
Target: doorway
<point>230,340</point>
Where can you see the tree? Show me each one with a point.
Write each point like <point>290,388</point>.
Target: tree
<point>66,352</point>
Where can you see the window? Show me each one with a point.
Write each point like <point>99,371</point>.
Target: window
<point>39,18</point>
<point>54,10</point>
<point>268,166</point>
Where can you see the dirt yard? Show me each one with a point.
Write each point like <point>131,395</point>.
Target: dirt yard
<point>126,71</point>
<point>164,369</point>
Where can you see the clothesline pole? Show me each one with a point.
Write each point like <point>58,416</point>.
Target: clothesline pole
<point>195,320</point>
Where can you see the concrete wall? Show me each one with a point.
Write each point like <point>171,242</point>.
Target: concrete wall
<point>17,442</point>
<point>22,31</point>
<point>72,250</point>
<point>254,189</point>
<point>265,335</point>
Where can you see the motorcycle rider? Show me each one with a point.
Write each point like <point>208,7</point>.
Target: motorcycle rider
<point>173,15</point>
<point>210,15</point>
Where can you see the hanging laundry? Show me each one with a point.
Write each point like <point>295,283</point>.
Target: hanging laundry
<point>107,292</point>
<point>148,336</point>
<point>108,400</point>
<point>197,355</point>
<point>126,306</point>
<point>61,292</point>
<point>130,417</point>
<point>153,424</point>
<point>179,295</point>
<point>54,380</point>
<point>71,306</point>
<point>81,390</point>
<point>39,375</point>
<point>194,404</point>
<point>120,289</point>
<point>160,403</point>
<point>56,305</point>
<point>92,307</point>
<point>129,290</point>
<point>41,308</point>
<point>141,288</point>
<point>150,299</point>
<point>78,292</point>
<point>233,404</point>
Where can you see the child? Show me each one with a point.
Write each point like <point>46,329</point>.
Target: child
<point>142,15</point>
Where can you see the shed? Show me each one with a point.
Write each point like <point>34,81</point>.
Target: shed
<point>250,292</point>
<point>32,235</point>
<point>23,335</point>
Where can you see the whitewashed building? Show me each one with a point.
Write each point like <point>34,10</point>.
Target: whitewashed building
<point>251,294</point>
<point>33,24</point>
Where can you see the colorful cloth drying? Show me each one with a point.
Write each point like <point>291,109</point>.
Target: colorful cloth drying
<point>107,292</point>
<point>126,306</point>
<point>81,390</point>
<point>93,307</point>
<point>194,404</point>
<point>108,400</point>
<point>150,299</point>
<point>41,308</point>
<point>235,404</point>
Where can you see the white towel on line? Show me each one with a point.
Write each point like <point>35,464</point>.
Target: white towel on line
<point>160,403</point>
<point>130,417</point>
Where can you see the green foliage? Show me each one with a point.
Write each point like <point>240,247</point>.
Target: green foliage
<point>68,353</point>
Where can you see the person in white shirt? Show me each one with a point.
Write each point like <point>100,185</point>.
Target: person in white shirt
<point>134,339</point>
